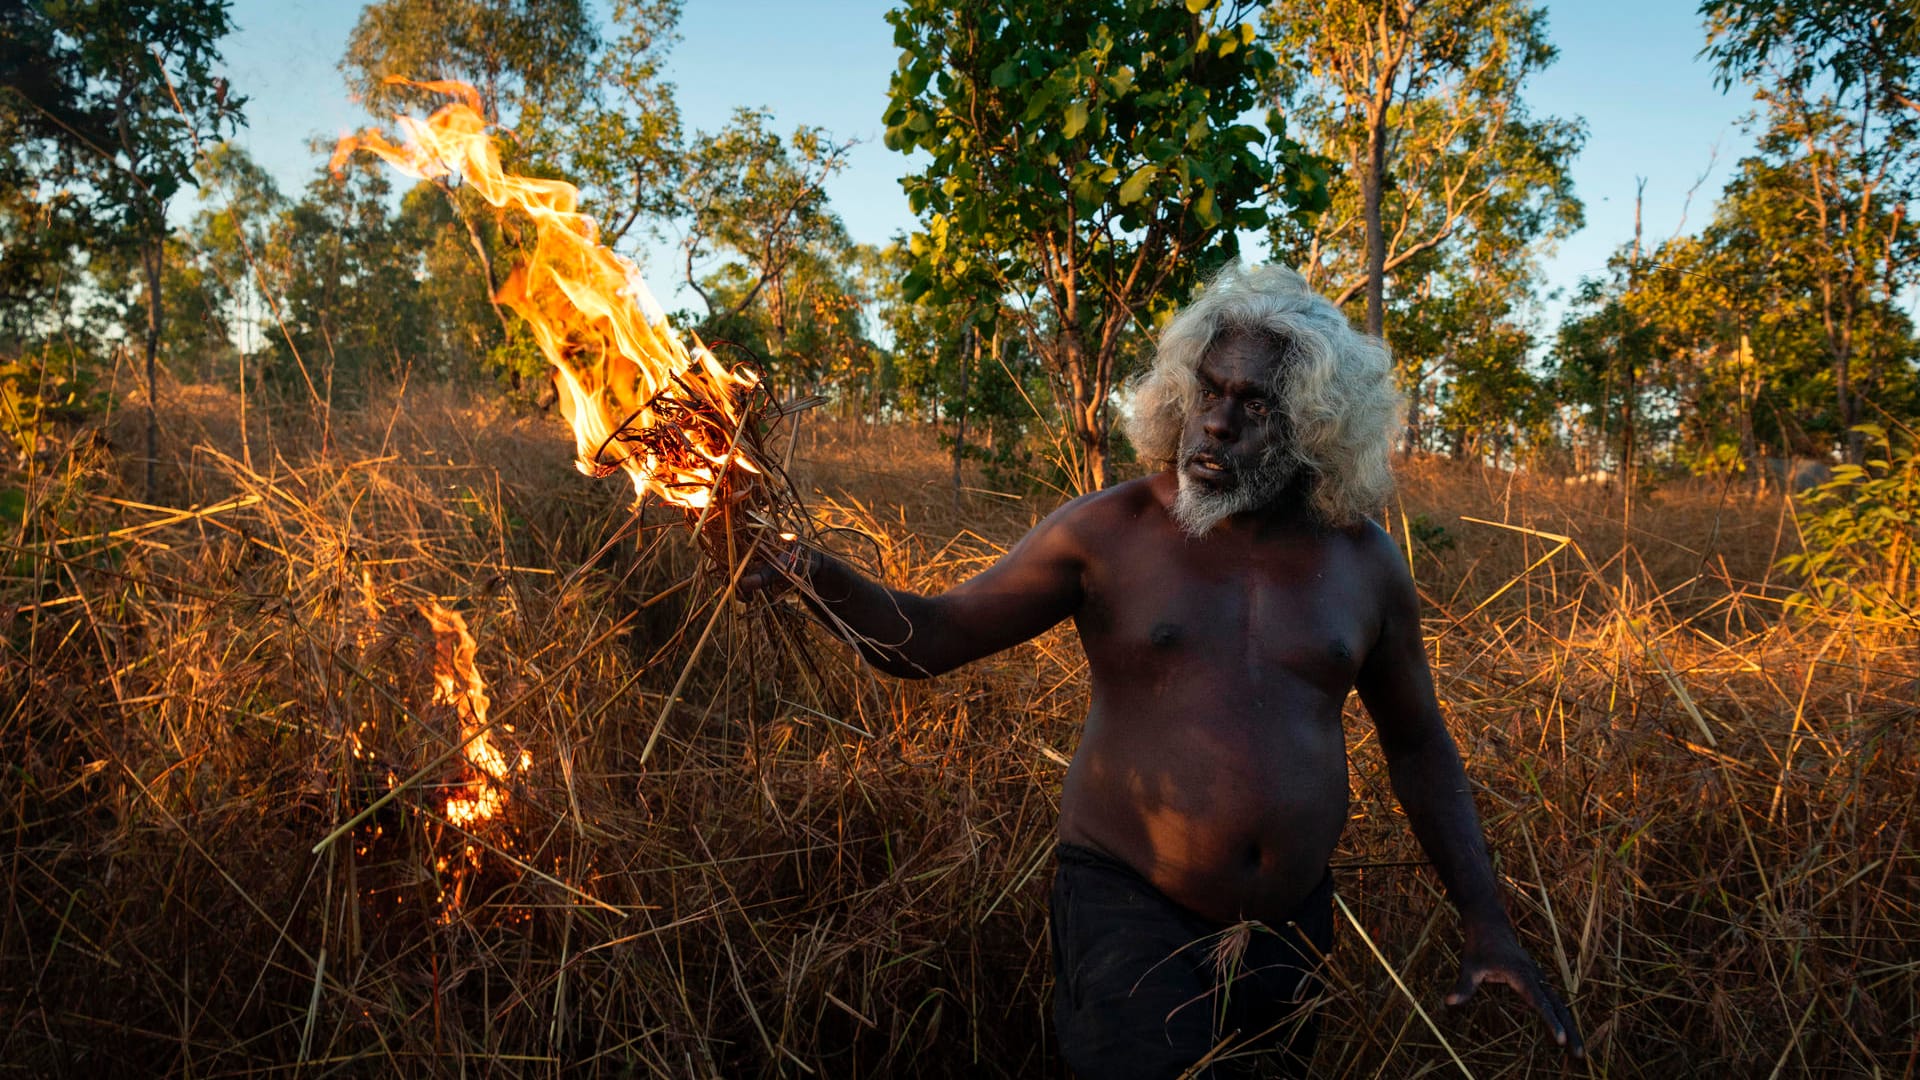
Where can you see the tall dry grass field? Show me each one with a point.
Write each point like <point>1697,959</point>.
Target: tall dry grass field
<point>1703,808</point>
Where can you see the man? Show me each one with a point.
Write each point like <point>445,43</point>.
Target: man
<point>1226,604</point>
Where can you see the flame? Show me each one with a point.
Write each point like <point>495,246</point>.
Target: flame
<point>457,682</point>
<point>637,397</point>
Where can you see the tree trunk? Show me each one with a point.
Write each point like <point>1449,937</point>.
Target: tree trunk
<point>1411,433</point>
<point>1843,390</point>
<point>151,257</point>
<point>1376,237</point>
<point>1089,474</point>
<point>1749,445</point>
<point>1097,448</point>
<point>968,344</point>
<point>1633,379</point>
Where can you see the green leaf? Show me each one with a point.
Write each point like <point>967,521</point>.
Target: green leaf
<point>1135,188</point>
<point>1204,210</point>
<point>1076,120</point>
<point>1041,100</point>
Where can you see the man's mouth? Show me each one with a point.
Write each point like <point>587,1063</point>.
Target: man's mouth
<point>1207,467</point>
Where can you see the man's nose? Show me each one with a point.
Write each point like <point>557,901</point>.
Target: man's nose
<point>1218,423</point>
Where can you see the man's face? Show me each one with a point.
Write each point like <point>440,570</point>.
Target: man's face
<point>1236,447</point>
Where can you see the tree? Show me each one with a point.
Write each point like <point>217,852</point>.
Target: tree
<point>566,105</point>
<point>1867,47</point>
<point>1089,163</point>
<point>514,52</point>
<point>617,135</point>
<point>1746,317</point>
<point>772,263</point>
<point>1609,361</point>
<point>1418,103</point>
<point>112,98</point>
<point>1464,350</point>
<point>1835,81</point>
<point>44,228</point>
<point>759,203</point>
<point>353,281</point>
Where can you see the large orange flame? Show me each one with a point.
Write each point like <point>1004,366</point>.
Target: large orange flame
<point>637,396</point>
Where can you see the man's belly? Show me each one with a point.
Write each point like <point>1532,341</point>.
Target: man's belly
<point>1232,819</point>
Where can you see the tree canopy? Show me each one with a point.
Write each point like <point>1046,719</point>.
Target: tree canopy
<point>1089,163</point>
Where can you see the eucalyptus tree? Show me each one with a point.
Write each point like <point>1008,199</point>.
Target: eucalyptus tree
<point>1085,166</point>
<point>1869,48</point>
<point>1835,84</point>
<point>1741,320</point>
<point>758,201</point>
<point>1418,103</point>
<point>514,52</point>
<point>565,98</point>
<point>106,103</point>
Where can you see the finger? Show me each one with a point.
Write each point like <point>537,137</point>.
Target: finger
<point>1464,987</point>
<point>1575,1044</point>
<point>1531,990</point>
<point>1553,1011</point>
<point>1556,1017</point>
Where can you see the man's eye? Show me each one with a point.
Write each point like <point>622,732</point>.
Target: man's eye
<point>1209,395</point>
<point>1256,407</point>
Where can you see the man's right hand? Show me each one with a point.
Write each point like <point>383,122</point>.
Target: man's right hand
<point>1495,955</point>
<point>771,574</point>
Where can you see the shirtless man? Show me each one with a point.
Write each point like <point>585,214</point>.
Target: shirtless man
<point>1226,604</point>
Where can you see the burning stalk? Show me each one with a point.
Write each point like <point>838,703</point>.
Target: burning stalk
<point>640,399</point>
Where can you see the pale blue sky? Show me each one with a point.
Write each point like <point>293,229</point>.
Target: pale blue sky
<point>1628,67</point>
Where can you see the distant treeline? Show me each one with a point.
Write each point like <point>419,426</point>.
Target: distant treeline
<point>1077,173</point>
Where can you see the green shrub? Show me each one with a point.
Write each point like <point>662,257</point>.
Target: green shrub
<point>38,389</point>
<point>1858,533</point>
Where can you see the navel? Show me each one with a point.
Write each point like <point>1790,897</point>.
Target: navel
<point>1340,650</point>
<point>1165,635</point>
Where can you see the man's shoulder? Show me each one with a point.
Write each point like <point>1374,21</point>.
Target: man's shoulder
<point>1361,550</point>
<point>1089,522</point>
<point>1115,506</point>
<point>1375,550</point>
<point>1372,540</point>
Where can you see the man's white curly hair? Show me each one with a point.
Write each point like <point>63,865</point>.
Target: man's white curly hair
<point>1335,384</point>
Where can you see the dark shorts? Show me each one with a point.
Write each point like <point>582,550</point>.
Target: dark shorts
<point>1145,988</point>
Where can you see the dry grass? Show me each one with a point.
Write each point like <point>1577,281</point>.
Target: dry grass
<point>1703,810</point>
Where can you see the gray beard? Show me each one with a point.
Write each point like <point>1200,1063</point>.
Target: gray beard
<point>1197,508</point>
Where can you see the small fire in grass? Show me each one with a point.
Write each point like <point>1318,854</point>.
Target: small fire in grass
<point>639,398</point>
<point>457,682</point>
<point>470,832</point>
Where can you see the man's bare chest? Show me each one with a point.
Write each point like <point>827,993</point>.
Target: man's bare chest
<point>1233,623</point>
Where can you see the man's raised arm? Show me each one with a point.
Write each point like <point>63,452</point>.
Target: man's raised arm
<point>1428,778</point>
<point>1032,587</point>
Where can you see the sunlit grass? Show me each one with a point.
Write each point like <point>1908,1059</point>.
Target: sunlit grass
<point>1701,808</point>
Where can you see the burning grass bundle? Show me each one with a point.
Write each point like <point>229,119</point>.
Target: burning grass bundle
<point>686,428</point>
<point>1703,808</point>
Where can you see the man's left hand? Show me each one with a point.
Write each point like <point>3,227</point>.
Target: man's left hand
<point>1497,956</point>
